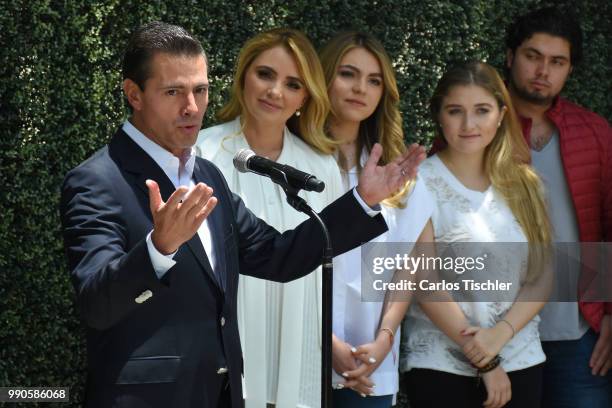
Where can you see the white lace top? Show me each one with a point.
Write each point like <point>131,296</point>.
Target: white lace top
<point>464,215</point>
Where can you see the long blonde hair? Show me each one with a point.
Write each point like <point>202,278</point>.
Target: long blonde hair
<point>506,158</point>
<point>309,126</point>
<point>384,126</point>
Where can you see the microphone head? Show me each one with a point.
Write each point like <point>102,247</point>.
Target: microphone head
<point>241,158</point>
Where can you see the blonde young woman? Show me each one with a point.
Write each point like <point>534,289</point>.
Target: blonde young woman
<point>364,111</point>
<point>484,191</point>
<point>277,109</point>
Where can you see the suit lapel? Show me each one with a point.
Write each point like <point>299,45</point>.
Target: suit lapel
<point>195,245</point>
<point>134,160</point>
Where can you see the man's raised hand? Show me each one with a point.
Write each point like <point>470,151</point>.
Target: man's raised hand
<point>178,219</point>
<point>379,182</point>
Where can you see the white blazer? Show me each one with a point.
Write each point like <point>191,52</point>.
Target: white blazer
<point>280,324</point>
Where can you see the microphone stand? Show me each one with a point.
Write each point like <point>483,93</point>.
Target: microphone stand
<point>300,205</point>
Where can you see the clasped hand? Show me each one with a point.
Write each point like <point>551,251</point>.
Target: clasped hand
<point>480,349</point>
<point>178,219</point>
<point>484,344</point>
<point>357,364</point>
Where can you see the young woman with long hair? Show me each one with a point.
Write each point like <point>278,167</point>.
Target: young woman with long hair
<point>365,111</point>
<point>476,352</point>
<point>277,109</point>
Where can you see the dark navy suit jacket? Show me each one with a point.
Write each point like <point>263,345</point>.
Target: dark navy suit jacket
<point>165,350</point>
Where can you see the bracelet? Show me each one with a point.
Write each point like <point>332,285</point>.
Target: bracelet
<point>491,365</point>
<point>511,326</point>
<point>391,338</point>
<point>391,334</point>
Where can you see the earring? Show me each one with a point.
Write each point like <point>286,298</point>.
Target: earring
<point>298,113</point>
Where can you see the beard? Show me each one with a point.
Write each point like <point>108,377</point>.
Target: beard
<point>530,96</point>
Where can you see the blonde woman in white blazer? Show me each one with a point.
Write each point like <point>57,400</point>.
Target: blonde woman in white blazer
<point>277,109</point>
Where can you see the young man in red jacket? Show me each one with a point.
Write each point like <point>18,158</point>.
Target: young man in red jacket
<point>572,151</point>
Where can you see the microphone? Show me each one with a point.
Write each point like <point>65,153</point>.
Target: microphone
<point>246,160</point>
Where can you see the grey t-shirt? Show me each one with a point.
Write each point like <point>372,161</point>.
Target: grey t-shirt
<point>560,320</point>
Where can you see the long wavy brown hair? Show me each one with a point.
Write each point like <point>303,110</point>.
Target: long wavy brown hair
<point>384,126</point>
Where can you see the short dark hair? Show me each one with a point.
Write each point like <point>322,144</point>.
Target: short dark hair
<point>551,21</point>
<point>150,39</point>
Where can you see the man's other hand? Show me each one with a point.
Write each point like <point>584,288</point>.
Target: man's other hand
<point>379,182</point>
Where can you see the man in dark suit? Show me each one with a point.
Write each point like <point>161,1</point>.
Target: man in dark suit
<point>155,269</point>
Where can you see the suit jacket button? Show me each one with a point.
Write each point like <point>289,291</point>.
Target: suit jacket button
<point>143,297</point>
<point>222,321</point>
<point>222,370</point>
